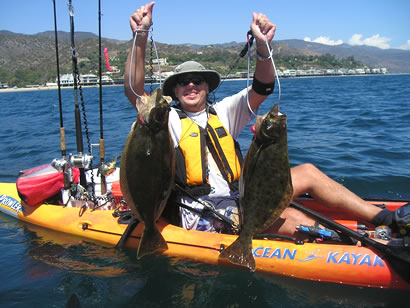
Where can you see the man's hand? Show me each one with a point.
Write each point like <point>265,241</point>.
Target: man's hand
<point>141,19</point>
<point>262,26</point>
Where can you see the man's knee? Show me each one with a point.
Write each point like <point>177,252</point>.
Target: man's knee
<point>304,178</point>
<point>307,169</point>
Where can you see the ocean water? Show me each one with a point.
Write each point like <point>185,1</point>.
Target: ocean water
<point>355,129</point>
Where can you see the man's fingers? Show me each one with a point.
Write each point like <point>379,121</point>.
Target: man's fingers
<point>262,26</point>
<point>149,8</point>
<point>141,19</point>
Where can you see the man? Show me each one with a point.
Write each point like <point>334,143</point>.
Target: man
<point>206,174</point>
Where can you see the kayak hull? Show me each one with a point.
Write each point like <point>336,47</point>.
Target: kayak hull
<point>335,263</point>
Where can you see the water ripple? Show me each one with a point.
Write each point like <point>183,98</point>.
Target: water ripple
<point>347,126</point>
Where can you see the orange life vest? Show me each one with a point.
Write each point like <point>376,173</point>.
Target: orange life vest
<point>192,153</point>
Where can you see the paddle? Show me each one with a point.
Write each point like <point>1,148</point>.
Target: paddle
<point>397,257</point>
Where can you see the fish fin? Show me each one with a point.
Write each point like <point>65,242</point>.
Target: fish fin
<point>140,101</point>
<point>73,302</point>
<point>240,253</point>
<point>151,241</point>
<point>168,99</point>
<point>156,96</point>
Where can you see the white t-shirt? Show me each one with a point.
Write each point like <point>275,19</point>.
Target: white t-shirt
<point>234,114</point>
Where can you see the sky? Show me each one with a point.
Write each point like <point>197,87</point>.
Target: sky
<point>380,23</point>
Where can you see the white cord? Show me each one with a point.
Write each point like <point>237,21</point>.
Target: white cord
<point>247,80</point>
<point>132,58</point>
<point>274,68</point>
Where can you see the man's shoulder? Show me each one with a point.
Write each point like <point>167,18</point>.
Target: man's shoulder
<point>229,103</point>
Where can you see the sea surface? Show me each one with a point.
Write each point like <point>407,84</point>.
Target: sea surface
<point>355,129</point>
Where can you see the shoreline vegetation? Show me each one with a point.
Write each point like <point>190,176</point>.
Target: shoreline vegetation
<point>45,88</point>
<point>29,60</point>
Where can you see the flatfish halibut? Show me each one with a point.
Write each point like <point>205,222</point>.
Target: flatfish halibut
<point>147,168</point>
<point>265,185</point>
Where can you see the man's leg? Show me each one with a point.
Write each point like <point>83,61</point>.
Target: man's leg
<point>308,179</point>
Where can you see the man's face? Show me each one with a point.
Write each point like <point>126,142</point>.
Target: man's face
<point>191,91</point>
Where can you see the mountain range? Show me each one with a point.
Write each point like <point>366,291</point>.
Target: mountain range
<point>20,52</point>
<point>395,60</point>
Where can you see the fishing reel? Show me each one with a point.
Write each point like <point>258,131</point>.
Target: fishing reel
<point>80,160</point>
<point>77,161</point>
<point>59,164</point>
<point>108,168</point>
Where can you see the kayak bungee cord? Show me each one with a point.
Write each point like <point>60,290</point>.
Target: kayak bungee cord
<point>132,58</point>
<point>156,55</point>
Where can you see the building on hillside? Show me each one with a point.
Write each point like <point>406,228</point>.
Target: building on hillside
<point>66,80</point>
<point>161,61</point>
<point>115,70</point>
<point>106,79</point>
<point>88,79</point>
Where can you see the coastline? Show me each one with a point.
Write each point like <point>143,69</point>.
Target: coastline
<point>45,88</point>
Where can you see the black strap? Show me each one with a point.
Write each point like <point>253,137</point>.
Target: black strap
<point>217,160</point>
<point>133,222</point>
<point>203,142</point>
<point>218,154</point>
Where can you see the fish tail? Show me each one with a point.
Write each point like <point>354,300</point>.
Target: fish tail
<point>151,241</point>
<point>240,253</point>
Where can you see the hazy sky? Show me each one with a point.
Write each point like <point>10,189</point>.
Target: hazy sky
<point>381,23</point>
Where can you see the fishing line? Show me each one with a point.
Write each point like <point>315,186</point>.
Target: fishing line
<point>242,54</point>
<point>132,59</point>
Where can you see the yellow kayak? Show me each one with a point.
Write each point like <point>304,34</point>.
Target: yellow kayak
<point>337,263</point>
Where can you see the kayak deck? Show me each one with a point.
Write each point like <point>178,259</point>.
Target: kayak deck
<point>337,263</point>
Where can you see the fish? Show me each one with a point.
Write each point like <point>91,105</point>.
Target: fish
<point>265,185</point>
<point>147,168</point>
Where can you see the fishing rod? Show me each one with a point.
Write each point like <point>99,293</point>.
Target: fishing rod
<point>102,148</point>
<point>80,160</point>
<point>62,132</point>
<point>398,257</point>
<point>77,115</point>
<point>78,129</point>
